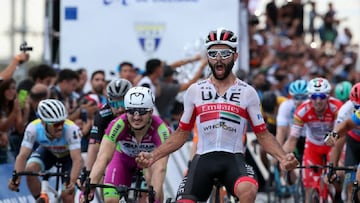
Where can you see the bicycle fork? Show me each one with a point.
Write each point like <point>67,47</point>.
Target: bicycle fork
<point>44,197</point>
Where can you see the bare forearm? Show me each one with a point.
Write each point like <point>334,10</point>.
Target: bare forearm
<point>98,169</point>
<point>20,163</point>
<point>9,70</point>
<point>336,151</point>
<point>75,169</point>
<point>343,127</point>
<point>93,149</point>
<point>271,145</point>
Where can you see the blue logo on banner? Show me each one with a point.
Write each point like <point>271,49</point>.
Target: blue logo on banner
<point>149,36</point>
<point>73,59</point>
<point>70,13</point>
<point>108,2</point>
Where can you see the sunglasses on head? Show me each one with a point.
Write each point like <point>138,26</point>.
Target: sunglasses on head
<point>117,104</point>
<point>318,95</point>
<point>56,124</point>
<point>300,97</point>
<point>139,111</point>
<point>224,53</point>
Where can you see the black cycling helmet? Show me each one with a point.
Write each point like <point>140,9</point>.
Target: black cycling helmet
<point>221,36</point>
<point>269,102</point>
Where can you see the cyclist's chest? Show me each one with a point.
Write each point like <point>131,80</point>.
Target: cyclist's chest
<point>55,145</point>
<point>132,147</point>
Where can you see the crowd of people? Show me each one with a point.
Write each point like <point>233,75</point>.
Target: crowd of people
<point>294,94</point>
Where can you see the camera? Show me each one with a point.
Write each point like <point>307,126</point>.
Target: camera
<point>24,47</point>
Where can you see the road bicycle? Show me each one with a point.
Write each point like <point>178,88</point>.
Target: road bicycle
<point>284,190</point>
<point>320,191</point>
<point>128,194</point>
<point>46,189</point>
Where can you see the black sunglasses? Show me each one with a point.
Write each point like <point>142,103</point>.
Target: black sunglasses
<point>139,111</point>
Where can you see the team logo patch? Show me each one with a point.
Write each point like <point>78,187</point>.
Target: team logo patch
<point>149,36</point>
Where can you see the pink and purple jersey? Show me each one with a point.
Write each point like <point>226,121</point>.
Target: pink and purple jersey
<point>122,165</point>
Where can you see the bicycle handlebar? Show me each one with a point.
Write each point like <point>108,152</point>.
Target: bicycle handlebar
<point>45,175</point>
<point>123,190</point>
<point>330,167</point>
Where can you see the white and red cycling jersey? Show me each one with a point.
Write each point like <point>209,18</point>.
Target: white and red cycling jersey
<point>221,120</point>
<point>316,127</point>
<point>315,152</point>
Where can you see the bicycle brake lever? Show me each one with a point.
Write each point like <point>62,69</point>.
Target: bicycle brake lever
<point>14,178</point>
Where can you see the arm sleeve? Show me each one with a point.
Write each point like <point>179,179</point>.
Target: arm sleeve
<point>29,136</point>
<point>73,137</point>
<point>188,118</point>
<point>256,118</point>
<point>114,129</point>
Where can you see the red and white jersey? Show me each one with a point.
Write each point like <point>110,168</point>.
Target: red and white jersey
<point>221,120</point>
<point>316,127</point>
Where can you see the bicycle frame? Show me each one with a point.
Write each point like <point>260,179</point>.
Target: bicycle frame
<point>354,193</point>
<point>45,187</point>
<point>319,189</point>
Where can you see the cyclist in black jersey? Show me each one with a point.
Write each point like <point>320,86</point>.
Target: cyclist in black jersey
<point>116,91</point>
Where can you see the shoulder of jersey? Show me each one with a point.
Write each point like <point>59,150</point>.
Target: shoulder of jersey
<point>105,112</point>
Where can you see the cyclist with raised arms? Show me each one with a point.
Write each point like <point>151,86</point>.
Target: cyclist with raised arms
<point>221,106</point>
<point>318,114</point>
<point>114,107</point>
<point>347,131</point>
<point>59,142</point>
<point>126,136</point>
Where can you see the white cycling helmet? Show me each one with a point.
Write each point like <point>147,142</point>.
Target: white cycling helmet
<point>221,36</point>
<point>51,110</point>
<point>118,88</point>
<point>319,85</point>
<point>139,97</point>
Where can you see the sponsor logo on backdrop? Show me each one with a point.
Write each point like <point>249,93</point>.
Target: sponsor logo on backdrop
<point>149,36</point>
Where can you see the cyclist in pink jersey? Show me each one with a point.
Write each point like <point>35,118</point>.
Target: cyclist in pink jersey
<point>221,106</point>
<point>126,136</point>
<point>318,115</point>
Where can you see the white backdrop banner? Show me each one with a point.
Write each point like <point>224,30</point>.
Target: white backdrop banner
<point>99,34</point>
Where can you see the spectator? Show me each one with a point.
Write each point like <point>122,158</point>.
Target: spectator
<point>8,72</point>
<point>154,71</point>
<point>98,84</point>
<point>64,91</point>
<point>11,120</point>
<point>42,74</point>
<point>83,78</point>
<point>129,72</point>
<point>169,88</point>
